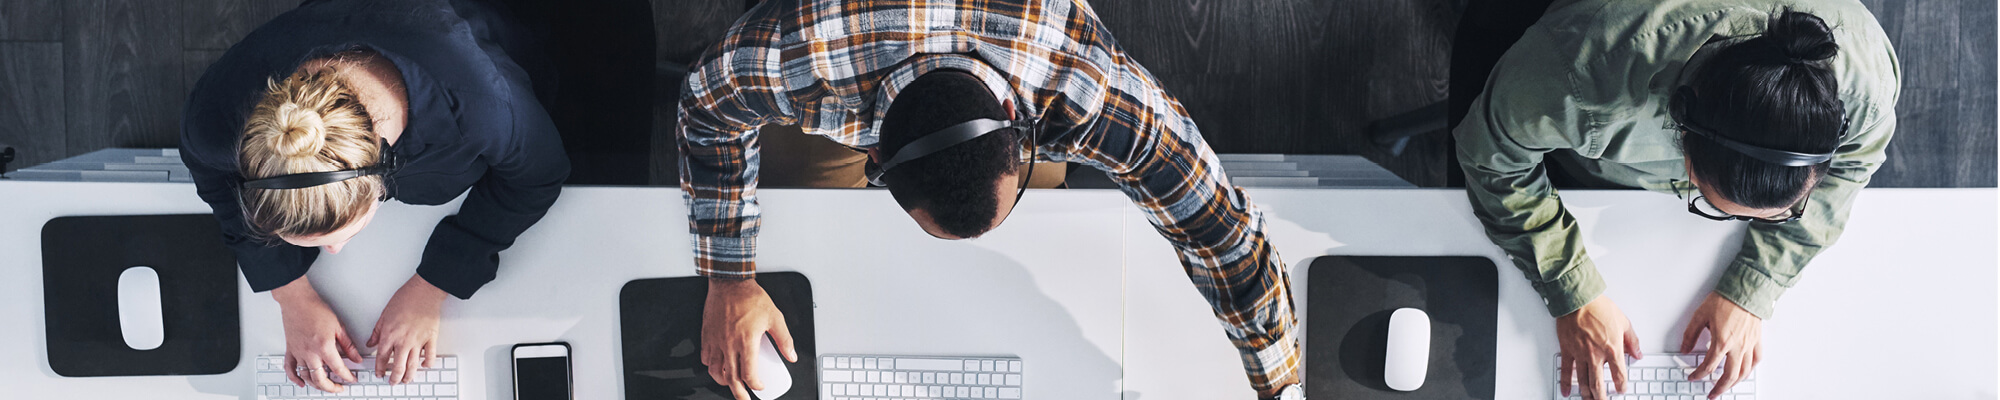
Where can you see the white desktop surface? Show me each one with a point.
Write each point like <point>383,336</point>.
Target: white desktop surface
<point>1904,307</point>
<point>881,285</point>
<point>1080,287</point>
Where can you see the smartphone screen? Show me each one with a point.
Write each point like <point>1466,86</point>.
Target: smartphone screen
<point>541,371</point>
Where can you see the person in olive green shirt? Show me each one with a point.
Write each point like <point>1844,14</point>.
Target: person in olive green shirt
<point>1770,111</point>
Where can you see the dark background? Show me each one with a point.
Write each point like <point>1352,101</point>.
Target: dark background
<point>1260,76</point>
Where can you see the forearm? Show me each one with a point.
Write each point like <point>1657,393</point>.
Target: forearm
<point>298,293</point>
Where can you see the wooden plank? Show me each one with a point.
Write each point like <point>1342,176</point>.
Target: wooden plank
<point>1977,74</point>
<point>122,63</point>
<point>684,28</point>
<point>31,102</point>
<point>30,20</point>
<point>1296,76</point>
<point>217,24</point>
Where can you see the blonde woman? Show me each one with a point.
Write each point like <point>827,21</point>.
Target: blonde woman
<point>299,133</point>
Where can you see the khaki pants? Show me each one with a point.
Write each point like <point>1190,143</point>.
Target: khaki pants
<point>793,159</point>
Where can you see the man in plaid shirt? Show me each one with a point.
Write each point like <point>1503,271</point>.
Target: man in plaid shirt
<point>877,75</point>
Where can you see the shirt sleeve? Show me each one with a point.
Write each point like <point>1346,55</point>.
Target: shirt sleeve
<point>1152,149</point>
<point>1520,116</point>
<point>522,181</point>
<point>735,90</point>
<point>266,264</point>
<point>1773,255</point>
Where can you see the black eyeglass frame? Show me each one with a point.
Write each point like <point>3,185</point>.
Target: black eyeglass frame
<point>1798,210</point>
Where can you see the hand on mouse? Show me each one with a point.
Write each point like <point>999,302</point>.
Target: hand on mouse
<point>1735,341</point>
<point>737,314</point>
<point>1591,337</point>
<point>406,335</point>
<point>314,339</point>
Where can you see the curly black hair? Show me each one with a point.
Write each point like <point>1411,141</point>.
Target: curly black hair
<point>956,185</point>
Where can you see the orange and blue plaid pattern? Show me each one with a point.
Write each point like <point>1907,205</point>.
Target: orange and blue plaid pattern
<point>832,67</point>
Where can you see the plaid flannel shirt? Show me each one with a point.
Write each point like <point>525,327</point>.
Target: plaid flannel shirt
<point>832,67</point>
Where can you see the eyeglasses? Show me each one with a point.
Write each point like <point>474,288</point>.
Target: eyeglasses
<point>1699,205</point>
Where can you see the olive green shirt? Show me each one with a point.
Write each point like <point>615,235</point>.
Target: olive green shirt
<point>1592,78</point>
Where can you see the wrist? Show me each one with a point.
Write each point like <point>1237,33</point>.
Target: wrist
<point>297,293</point>
<point>421,288</point>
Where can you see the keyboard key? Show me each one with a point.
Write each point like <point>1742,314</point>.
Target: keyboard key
<point>1013,380</point>
<point>927,364</point>
<point>868,363</point>
<point>272,377</point>
<point>986,365</point>
<point>1010,393</point>
<point>837,376</point>
<point>447,390</point>
<point>1013,366</point>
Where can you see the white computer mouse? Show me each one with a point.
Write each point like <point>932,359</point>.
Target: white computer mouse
<point>139,308</point>
<point>771,371</point>
<point>1409,349</point>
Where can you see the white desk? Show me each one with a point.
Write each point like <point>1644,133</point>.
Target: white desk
<point>1052,286</point>
<point>1903,308</point>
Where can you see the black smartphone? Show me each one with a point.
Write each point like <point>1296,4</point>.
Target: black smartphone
<point>541,371</point>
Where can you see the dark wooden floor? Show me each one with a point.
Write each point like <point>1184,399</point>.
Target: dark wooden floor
<point>1260,76</point>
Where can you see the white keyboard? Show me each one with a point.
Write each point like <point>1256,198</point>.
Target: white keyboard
<point>429,384</point>
<point>1665,377</point>
<point>869,377</point>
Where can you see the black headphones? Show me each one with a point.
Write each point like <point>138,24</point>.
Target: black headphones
<point>953,136</point>
<point>385,166</point>
<point>1685,95</point>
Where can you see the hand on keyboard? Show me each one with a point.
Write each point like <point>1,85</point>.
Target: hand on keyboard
<point>406,335</point>
<point>1735,341</point>
<point>736,315</point>
<point>315,341</point>
<point>1591,337</point>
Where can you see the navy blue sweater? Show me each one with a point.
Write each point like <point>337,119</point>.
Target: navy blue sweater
<point>475,122</point>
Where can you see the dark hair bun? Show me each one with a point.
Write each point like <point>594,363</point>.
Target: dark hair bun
<point>1803,37</point>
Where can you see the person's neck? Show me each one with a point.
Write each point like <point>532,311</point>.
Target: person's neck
<point>378,85</point>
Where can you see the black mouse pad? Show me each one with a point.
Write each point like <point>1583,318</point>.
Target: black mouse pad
<point>1349,300</point>
<point>82,258</point>
<point>660,332</point>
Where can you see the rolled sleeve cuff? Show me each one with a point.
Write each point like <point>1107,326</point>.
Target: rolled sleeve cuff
<point>1750,289</point>
<point>719,257</point>
<point>1278,361</point>
<point>1572,290</point>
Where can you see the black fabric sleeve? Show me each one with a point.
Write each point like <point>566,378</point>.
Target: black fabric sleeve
<point>523,180</point>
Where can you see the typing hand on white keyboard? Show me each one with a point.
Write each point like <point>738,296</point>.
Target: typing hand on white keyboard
<point>1735,341</point>
<point>405,338</point>
<point>1672,377</point>
<point>315,342</point>
<point>1595,340</point>
<point>439,383</point>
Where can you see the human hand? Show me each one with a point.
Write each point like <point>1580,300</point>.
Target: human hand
<point>736,315</point>
<point>315,342</point>
<point>406,334</point>
<point>1591,337</point>
<point>1734,334</point>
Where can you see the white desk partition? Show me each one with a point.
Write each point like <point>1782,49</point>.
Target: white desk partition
<point>1083,290</point>
<point>1904,307</point>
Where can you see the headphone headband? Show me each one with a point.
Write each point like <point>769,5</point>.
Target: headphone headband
<point>1685,95</point>
<point>943,139</point>
<point>386,166</point>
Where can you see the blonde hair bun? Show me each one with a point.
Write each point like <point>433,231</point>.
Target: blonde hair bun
<point>302,132</point>
<point>311,121</point>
